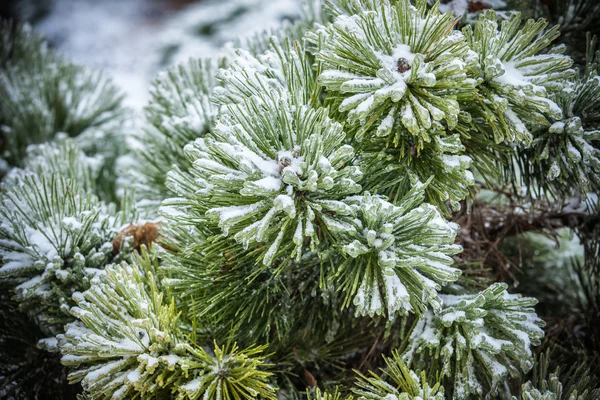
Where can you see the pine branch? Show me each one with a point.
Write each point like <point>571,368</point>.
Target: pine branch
<point>42,95</point>
<point>398,382</point>
<point>56,238</point>
<point>179,112</point>
<point>336,395</point>
<point>477,340</point>
<point>405,250</point>
<point>579,384</point>
<point>129,342</point>
<point>564,159</point>
<point>404,80</point>
<point>515,78</point>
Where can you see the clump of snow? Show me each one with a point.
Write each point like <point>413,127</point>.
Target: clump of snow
<point>512,76</point>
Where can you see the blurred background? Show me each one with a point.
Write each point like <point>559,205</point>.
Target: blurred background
<point>132,40</point>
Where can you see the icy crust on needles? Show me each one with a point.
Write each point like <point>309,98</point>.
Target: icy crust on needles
<point>479,338</point>
<point>515,80</point>
<point>128,341</point>
<point>276,176</point>
<point>272,189</point>
<point>55,239</point>
<point>401,255</point>
<point>408,78</point>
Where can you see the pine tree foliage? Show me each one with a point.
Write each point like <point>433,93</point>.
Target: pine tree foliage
<point>394,65</point>
<point>272,158</point>
<point>129,342</point>
<point>397,382</point>
<point>179,112</point>
<point>307,182</point>
<point>285,309</point>
<point>62,157</point>
<point>565,156</point>
<point>400,91</point>
<point>319,395</point>
<point>56,233</point>
<point>290,182</point>
<point>244,185</point>
<point>515,77</point>
<point>40,95</point>
<point>442,162</point>
<point>554,387</point>
<point>478,340</point>
<point>311,13</point>
<point>56,237</point>
<point>404,249</point>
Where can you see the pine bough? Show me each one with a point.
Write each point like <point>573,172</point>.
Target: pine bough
<point>306,181</point>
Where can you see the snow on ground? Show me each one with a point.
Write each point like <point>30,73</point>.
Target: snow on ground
<point>132,40</point>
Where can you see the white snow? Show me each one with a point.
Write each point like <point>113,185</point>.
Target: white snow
<point>403,51</point>
<point>43,244</point>
<point>72,223</point>
<point>512,76</point>
<point>131,40</point>
<point>396,294</point>
<point>458,7</point>
<point>269,183</point>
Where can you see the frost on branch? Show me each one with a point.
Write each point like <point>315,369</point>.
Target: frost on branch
<point>397,382</point>
<point>319,395</point>
<point>576,384</point>
<point>65,158</point>
<point>284,66</point>
<point>55,239</point>
<point>395,69</point>
<point>178,112</point>
<point>399,257</point>
<point>441,162</point>
<point>40,95</point>
<point>566,156</point>
<point>479,339</point>
<point>128,342</point>
<point>400,92</point>
<point>515,78</point>
<point>269,173</point>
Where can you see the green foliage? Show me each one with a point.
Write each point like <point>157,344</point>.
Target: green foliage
<point>129,341</point>
<point>405,250</point>
<point>42,95</point>
<point>284,66</point>
<point>318,395</point>
<point>477,339</point>
<point>273,171</point>
<point>442,162</point>
<point>565,157</point>
<point>279,188</point>
<point>275,175</point>
<point>306,182</point>
<point>228,293</point>
<point>55,239</point>
<point>19,43</point>
<point>396,68</point>
<point>576,385</point>
<point>397,73</point>
<point>179,112</point>
<point>312,12</point>
<point>397,382</point>
<point>64,157</point>
<point>515,77</point>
